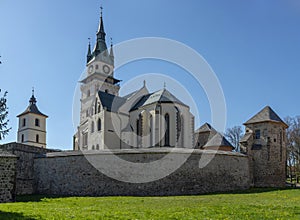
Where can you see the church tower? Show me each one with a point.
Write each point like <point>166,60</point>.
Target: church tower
<point>32,125</point>
<point>99,74</point>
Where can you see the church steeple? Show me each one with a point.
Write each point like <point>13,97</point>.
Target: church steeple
<point>101,44</point>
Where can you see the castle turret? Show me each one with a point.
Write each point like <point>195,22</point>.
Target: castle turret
<point>264,143</point>
<point>32,125</point>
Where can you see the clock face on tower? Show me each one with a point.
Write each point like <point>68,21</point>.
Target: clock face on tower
<point>91,68</point>
<point>106,69</point>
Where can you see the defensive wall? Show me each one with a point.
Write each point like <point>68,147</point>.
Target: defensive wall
<point>7,177</point>
<point>71,173</point>
<point>25,155</point>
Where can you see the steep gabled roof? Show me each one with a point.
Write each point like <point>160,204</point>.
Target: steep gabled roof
<point>161,96</point>
<point>32,108</point>
<point>217,141</point>
<point>267,114</point>
<point>111,102</point>
<point>205,128</point>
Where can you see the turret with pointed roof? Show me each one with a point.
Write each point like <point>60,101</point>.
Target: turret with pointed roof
<point>264,143</point>
<point>32,125</point>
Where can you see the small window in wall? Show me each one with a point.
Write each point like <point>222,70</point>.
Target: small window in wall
<point>37,122</point>
<point>24,122</point>
<point>97,66</point>
<point>97,147</point>
<point>37,138</point>
<point>257,134</point>
<point>99,124</point>
<point>93,147</point>
<point>88,93</point>
<point>106,90</point>
<point>99,108</point>
<point>22,138</point>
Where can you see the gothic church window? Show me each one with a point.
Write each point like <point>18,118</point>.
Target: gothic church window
<point>37,138</point>
<point>22,138</point>
<point>167,134</point>
<point>24,122</point>
<point>85,139</point>
<point>92,127</point>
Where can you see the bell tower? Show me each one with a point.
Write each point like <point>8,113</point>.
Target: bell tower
<point>99,75</point>
<point>32,125</point>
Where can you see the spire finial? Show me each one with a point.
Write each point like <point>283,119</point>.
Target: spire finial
<point>111,42</point>
<point>32,99</point>
<point>101,10</point>
<point>144,83</point>
<point>165,85</point>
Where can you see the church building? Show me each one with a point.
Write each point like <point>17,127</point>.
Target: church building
<point>141,119</point>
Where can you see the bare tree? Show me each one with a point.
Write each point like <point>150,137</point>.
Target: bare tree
<point>3,117</point>
<point>293,146</point>
<point>234,135</point>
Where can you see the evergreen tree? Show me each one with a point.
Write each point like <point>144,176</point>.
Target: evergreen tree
<point>3,117</point>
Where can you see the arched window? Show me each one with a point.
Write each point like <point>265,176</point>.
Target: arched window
<point>99,107</point>
<point>24,122</point>
<point>97,147</point>
<point>97,66</point>
<point>139,132</point>
<point>22,138</point>
<point>151,131</point>
<point>37,138</point>
<point>93,147</point>
<point>37,122</point>
<point>99,124</point>
<point>92,127</point>
<point>167,134</point>
<point>178,124</point>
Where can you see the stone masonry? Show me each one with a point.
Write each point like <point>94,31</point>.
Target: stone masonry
<point>7,177</point>
<point>70,173</point>
<point>24,166</point>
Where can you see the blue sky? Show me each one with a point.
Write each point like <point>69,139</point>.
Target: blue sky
<point>253,47</point>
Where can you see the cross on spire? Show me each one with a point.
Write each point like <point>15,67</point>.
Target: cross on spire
<point>32,91</point>
<point>101,10</point>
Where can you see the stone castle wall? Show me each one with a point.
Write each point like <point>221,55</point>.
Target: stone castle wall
<point>70,173</point>
<point>24,166</point>
<point>7,177</point>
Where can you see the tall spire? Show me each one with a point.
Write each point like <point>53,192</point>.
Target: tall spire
<point>89,54</point>
<point>101,44</point>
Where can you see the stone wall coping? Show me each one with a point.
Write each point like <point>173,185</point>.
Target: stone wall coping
<point>25,148</point>
<point>140,151</point>
<point>4,154</point>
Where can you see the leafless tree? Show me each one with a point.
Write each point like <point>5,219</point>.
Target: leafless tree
<point>234,136</point>
<point>293,146</point>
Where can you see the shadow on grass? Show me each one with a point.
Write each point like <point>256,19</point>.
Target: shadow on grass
<point>14,216</point>
<point>39,198</point>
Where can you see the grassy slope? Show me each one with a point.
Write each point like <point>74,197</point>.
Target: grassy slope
<point>254,204</point>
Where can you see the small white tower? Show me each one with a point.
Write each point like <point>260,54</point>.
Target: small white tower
<point>32,125</point>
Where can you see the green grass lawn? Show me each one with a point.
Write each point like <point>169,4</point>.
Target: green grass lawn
<point>252,204</point>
